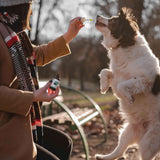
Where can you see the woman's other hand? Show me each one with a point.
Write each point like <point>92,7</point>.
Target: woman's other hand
<point>42,94</point>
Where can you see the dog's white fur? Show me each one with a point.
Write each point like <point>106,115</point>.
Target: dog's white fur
<point>131,76</point>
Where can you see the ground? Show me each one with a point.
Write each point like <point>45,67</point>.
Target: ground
<point>94,132</point>
<point>94,129</point>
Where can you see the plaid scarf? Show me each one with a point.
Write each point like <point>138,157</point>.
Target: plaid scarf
<point>23,58</point>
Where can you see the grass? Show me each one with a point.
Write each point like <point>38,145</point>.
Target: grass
<point>104,101</point>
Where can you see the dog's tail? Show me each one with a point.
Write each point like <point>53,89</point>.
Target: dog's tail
<point>156,85</point>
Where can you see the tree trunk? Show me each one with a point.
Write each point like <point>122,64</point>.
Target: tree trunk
<point>70,80</point>
<point>37,24</point>
<point>81,78</point>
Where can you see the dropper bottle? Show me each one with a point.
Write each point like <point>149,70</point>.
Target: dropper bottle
<point>83,19</point>
<point>55,82</point>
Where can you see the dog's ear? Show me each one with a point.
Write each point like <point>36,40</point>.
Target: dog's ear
<point>122,13</point>
<point>127,13</point>
<point>128,26</point>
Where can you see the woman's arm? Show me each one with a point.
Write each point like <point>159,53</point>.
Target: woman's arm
<point>46,53</point>
<point>59,47</point>
<point>15,101</point>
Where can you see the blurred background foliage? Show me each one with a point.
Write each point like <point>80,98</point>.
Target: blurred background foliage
<point>51,18</point>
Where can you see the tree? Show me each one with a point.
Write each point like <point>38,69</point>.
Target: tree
<point>151,28</point>
<point>43,15</point>
<point>147,13</point>
<point>88,55</point>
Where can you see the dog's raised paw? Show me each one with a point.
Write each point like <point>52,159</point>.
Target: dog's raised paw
<point>105,78</point>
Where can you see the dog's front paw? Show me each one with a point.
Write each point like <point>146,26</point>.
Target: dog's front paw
<point>105,77</point>
<point>99,157</point>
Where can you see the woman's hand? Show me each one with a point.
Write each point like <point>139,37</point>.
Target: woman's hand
<point>73,29</point>
<point>42,94</point>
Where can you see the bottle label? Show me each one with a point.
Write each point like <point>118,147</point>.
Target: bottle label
<point>54,84</point>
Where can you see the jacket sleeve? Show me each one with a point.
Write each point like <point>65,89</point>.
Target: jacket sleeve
<point>15,101</point>
<point>48,52</point>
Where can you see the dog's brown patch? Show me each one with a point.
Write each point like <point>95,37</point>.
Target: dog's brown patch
<point>124,27</point>
<point>156,85</point>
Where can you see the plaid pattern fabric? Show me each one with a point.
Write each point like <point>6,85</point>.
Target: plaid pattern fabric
<point>23,58</point>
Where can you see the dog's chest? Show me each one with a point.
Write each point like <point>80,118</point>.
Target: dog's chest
<point>123,64</point>
<point>120,67</point>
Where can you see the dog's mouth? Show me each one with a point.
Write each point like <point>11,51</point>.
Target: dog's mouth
<point>101,24</point>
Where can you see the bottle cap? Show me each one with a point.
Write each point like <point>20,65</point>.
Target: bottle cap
<point>57,76</point>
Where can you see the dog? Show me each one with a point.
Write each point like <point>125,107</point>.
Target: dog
<point>133,75</point>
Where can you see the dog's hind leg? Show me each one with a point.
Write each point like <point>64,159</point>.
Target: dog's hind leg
<point>150,143</point>
<point>126,138</point>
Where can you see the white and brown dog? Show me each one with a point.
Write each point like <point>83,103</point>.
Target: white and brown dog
<point>133,76</point>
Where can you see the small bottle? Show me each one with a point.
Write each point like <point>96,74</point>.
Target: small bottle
<point>55,82</point>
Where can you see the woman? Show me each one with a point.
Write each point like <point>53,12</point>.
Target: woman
<point>20,117</point>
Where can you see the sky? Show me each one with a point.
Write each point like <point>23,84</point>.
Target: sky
<point>72,9</point>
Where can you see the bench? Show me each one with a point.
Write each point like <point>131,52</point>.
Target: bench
<point>78,118</point>
<point>63,118</point>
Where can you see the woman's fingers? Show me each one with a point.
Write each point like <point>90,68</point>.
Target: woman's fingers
<point>53,94</point>
<point>42,94</point>
<point>46,86</point>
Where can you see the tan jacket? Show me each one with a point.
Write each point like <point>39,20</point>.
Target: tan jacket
<point>15,130</point>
